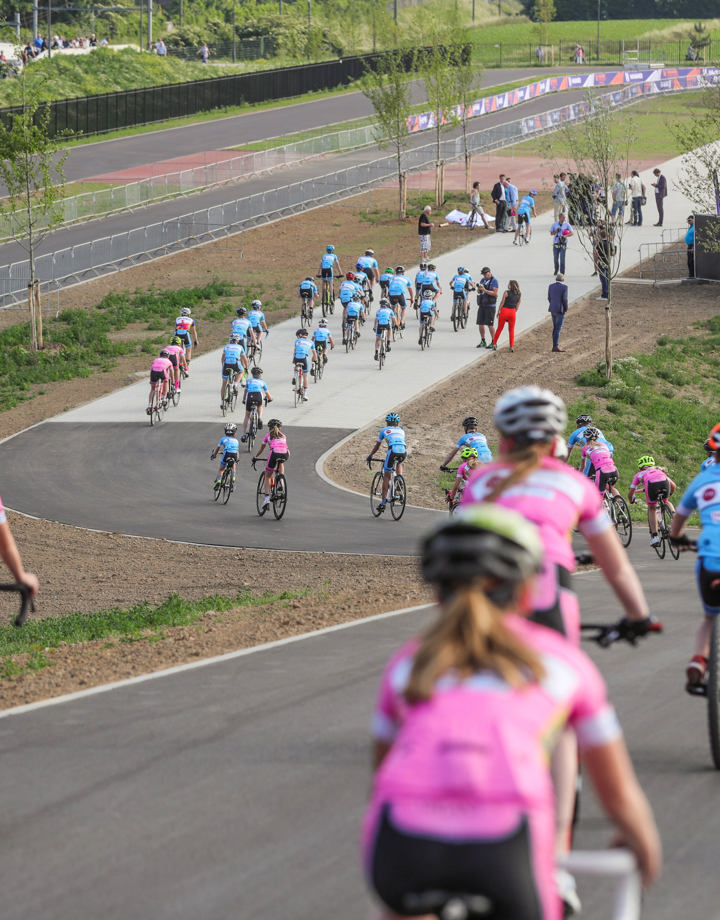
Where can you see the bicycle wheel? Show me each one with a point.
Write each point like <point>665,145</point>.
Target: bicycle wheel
<point>463,318</point>
<point>666,515</point>
<point>713,692</point>
<point>381,355</point>
<point>257,357</point>
<point>260,495</point>
<point>157,409</point>
<point>622,519</point>
<point>660,548</point>
<point>348,339</point>
<point>174,395</point>
<point>376,493</point>
<point>320,367</point>
<point>252,430</point>
<point>455,318</point>
<point>279,496</point>
<point>226,485</point>
<point>234,399</point>
<point>397,502</point>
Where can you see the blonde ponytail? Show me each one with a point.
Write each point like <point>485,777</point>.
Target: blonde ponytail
<point>526,459</point>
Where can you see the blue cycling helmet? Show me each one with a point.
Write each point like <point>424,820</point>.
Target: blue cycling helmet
<point>330,248</point>
<point>392,418</point>
<point>532,192</point>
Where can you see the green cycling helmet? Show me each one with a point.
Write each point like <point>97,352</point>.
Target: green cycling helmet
<point>645,461</point>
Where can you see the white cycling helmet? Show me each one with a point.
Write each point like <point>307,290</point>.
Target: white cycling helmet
<point>323,323</point>
<point>185,311</point>
<point>428,294</point>
<point>256,304</point>
<point>530,414</point>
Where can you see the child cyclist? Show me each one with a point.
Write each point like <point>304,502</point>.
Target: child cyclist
<point>230,452</point>
<point>470,463</point>
<point>471,438</point>
<point>428,312</point>
<point>396,453</point>
<point>464,723</point>
<point>654,480</point>
<point>598,453</point>
<point>321,338</point>
<point>233,358</point>
<point>175,353</point>
<point>160,371</point>
<point>186,329</point>
<point>279,452</point>
<point>385,320</point>
<point>255,390</point>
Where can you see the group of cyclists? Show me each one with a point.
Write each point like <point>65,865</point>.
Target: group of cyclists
<point>174,359</point>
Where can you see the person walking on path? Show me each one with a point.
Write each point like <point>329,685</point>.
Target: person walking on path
<point>477,213</point>
<point>637,193</point>
<point>424,231</point>
<point>558,306</point>
<point>508,313</point>
<point>559,195</point>
<point>561,231</point>
<point>204,53</point>
<point>487,292</point>
<point>619,193</point>
<point>498,199</point>
<point>690,243</point>
<point>660,186</point>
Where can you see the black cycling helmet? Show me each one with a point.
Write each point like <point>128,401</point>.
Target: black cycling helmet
<point>482,540</point>
<point>301,332</point>
<point>241,311</point>
<point>470,422</point>
<point>309,278</point>
<point>399,270</point>
<point>384,302</point>
<point>257,372</point>
<point>583,420</point>
<point>423,266</point>
<point>274,423</point>
<point>591,433</point>
<point>431,266</point>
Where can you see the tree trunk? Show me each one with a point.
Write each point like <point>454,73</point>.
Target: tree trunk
<point>608,339</point>
<point>31,310</point>
<point>439,183</point>
<point>403,195</point>
<point>468,171</point>
<point>38,314</point>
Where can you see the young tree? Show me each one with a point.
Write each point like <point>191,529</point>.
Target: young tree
<point>31,168</point>
<point>387,88</point>
<point>436,64</point>
<point>544,12</point>
<point>464,83</point>
<point>595,152</point>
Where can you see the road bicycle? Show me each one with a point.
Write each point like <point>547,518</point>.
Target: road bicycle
<point>664,519</point>
<point>522,237</point>
<point>397,332</point>
<point>396,496</point>
<point>229,403</point>
<point>297,384</point>
<point>619,513</point>
<point>317,368</point>
<point>157,404</point>
<point>458,317</point>
<point>306,311</point>
<point>351,335</point>
<point>255,350</point>
<point>173,393</point>
<point>416,302</point>
<point>382,349</point>
<point>278,493</point>
<point>26,601</point>
<point>227,483</point>
<point>426,334</point>
<point>253,425</point>
<point>327,297</point>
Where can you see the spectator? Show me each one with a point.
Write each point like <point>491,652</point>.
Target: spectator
<point>561,231</point>
<point>579,54</point>
<point>618,199</point>
<point>660,186</point>
<point>558,306</point>
<point>690,243</point>
<point>508,313</point>
<point>559,194</point>
<point>477,213</point>
<point>93,41</point>
<point>636,188</point>
<point>498,199</point>
<point>424,231</point>
<point>540,55</point>
<point>487,291</point>
<point>511,203</point>
<point>160,48</point>
<point>204,53</point>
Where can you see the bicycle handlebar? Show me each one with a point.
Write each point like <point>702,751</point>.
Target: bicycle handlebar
<point>629,630</point>
<point>25,599</point>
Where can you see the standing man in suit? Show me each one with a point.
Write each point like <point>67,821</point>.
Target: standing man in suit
<point>558,305</point>
<point>498,199</point>
<point>660,186</point>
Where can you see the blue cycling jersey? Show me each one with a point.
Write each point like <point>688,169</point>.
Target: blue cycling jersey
<point>303,347</point>
<point>231,353</point>
<point>255,385</point>
<point>321,335</point>
<point>703,496</point>
<point>395,437</point>
<point>347,289</point>
<point>241,326</point>
<point>366,263</point>
<point>460,283</point>
<point>384,316</point>
<point>256,317</point>
<point>386,277</point>
<point>527,203</point>
<point>399,285</point>
<point>229,445</point>
<point>479,442</point>
<point>708,461</point>
<point>308,287</point>
<point>427,306</point>
<point>353,309</point>
<point>329,260</point>
<point>577,438</point>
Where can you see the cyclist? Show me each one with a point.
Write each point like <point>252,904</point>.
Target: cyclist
<point>353,313</point>
<point>368,265</point>
<point>348,288</point>
<point>231,451</point>
<point>255,390</point>
<point>186,329</point>
<point>396,453</point>
<point>526,210</point>
<point>703,496</point>
<point>710,458</point>
<point>654,480</point>
<point>470,462</point>
<point>257,320</point>
<point>400,292</point>
<point>279,452</point>
<point>328,264</point>
<point>557,499</point>
<point>577,439</point>
<point>460,284</point>
<point>385,319</point>
<point>425,280</point>
<point>303,354</point>
<point>463,725</point>
<point>160,371</point>
<point>599,455</point>
<point>232,358</point>
<point>471,438</point>
<point>308,291</point>
<point>321,338</point>
<point>428,312</point>
<point>385,280</point>
<point>175,353</point>
<point>241,326</point>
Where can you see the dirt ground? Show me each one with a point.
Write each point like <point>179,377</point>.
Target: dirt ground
<point>90,571</point>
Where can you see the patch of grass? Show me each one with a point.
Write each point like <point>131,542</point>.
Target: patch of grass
<point>144,622</point>
<point>662,404</point>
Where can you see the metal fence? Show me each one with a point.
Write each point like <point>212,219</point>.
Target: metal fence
<point>622,53</point>
<point>144,243</point>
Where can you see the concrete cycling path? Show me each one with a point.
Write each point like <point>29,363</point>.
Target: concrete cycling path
<point>236,787</point>
<point>103,466</point>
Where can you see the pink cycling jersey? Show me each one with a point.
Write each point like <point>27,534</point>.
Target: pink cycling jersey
<point>277,445</point>
<point>600,457</point>
<point>161,364</point>
<point>473,760</point>
<point>175,350</point>
<point>644,477</point>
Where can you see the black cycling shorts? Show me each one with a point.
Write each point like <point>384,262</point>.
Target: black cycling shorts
<point>301,362</point>
<point>274,459</point>
<point>229,458</point>
<point>607,479</point>
<point>326,274</point>
<point>552,617</point>
<point>230,367</point>
<point>172,358</point>
<point>156,376</point>
<point>709,586</point>
<point>253,399</point>
<point>396,299</point>
<point>656,489</point>
<point>417,874</point>
<point>185,336</point>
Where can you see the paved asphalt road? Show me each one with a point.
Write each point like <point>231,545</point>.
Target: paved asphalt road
<point>236,789</point>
